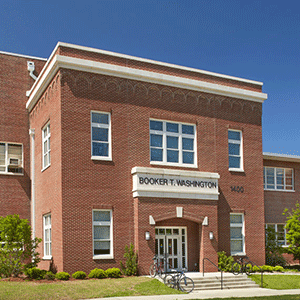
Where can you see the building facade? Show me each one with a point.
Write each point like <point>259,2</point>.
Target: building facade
<point>128,150</point>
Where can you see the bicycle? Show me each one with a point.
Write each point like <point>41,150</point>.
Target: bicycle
<point>157,268</point>
<point>240,267</point>
<point>179,281</point>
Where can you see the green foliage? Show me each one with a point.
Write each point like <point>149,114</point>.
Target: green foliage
<point>35,273</point>
<point>256,269</point>
<point>278,269</point>
<point>62,276</point>
<point>224,262</point>
<point>79,275</point>
<point>266,268</point>
<point>131,265</point>
<point>113,273</point>
<point>49,276</point>
<point>97,273</point>
<point>18,246</point>
<point>293,231</point>
<point>273,250</point>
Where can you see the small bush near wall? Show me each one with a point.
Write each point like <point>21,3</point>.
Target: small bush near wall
<point>49,276</point>
<point>113,273</point>
<point>131,265</point>
<point>225,262</point>
<point>79,275</point>
<point>97,273</point>
<point>62,276</point>
<point>35,273</point>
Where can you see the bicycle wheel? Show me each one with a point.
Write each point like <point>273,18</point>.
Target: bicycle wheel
<point>186,284</point>
<point>169,281</point>
<point>248,269</point>
<point>153,270</point>
<point>236,268</point>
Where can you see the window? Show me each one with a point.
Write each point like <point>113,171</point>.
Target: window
<point>47,237</point>
<point>102,234</point>
<point>46,146</point>
<point>278,179</point>
<point>280,233</point>
<point>101,135</point>
<point>172,143</point>
<point>11,158</point>
<point>237,234</point>
<point>235,150</point>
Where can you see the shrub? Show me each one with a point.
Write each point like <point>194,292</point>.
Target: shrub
<point>49,276</point>
<point>131,266</point>
<point>35,273</point>
<point>97,273</point>
<point>62,276</point>
<point>278,269</point>
<point>266,268</point>
<point>79,275</point>
<point>113,273</point>
<point>225,262</point>
<point>256,269</point>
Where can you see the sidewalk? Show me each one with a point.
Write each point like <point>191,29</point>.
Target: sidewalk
<point>210,294</point>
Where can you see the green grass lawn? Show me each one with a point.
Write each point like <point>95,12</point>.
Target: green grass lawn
<point>283,297</point>
<point>278,282</point>
<point>83,289</point>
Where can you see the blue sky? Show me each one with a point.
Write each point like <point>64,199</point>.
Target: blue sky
<point>258,40</point>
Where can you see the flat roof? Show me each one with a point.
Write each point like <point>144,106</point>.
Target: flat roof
<point>281,157</point>
<point>22,55</point>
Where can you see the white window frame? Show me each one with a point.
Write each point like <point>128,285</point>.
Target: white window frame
<point>104,223</point>
<point>109,142</point>
<point>241,156</point>
<point>6,165</point>
<point>275,180</point>
<point>46,134</point>
<point>180,136</point>
<point>285,244</point>
<point>239,225</point>
<point>47,227</point>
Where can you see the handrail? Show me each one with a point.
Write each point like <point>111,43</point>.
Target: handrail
<point>216,267</point>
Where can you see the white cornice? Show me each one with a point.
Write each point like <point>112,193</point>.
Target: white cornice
<point>281,157</point>
<point>21,55</point>
<point>59,61</point>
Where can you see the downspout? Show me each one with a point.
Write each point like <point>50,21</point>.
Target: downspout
<point>32,135</point>
<point>31,68</point>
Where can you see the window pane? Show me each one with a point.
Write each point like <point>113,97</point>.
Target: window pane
<point>187,129</point>
<point>234,162</point>
<point>236,233</point>
<point>236,219</point>
<point>172,142</point>
<point>187,144</point>
<point>100,149</point>
<point>172,156</point>
<point>234,149</point>
<point>101,247</point>
<point>280,227</point>
<point>188,157</point>
<point>100,134</point>
<point>289,173</point>
<point>234,135</point>
<point>161,231</point>
<point>236,246</point>
<point>156,154</point>
<point>156,125</point>
<point>280,177</point>
<point>169,231</point>
<point>155,140</point>
<point>100,118</point>
<point>101,232</point>
<point>101,216</point>
<point>172,127</point>
<point>2,154</point>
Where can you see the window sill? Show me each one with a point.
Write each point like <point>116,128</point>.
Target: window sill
<point>101,158</point>
<point>236,170</point>
<point>17,174</point>
<point>276,190</point>
<point>47,257</point>
<point>45,168</point>
<point>238,254</point>
<point>96,257</point>
<point>173,165</point>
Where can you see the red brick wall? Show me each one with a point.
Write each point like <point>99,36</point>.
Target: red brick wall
<point>14,82</point>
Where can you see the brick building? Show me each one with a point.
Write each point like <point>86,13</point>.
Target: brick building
<point>165,157</point>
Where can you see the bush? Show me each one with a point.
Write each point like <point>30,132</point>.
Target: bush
<point>225,262</point>
<point>79,275</point>
<point>256,269</point>
<point>62,276</point>
<point>97,273</point>
<point>278,269</point>
<point>49,276</point>
<point>131,266</point>
<point>35,273</point>
<point>113,273</point>
<point>266,268</point>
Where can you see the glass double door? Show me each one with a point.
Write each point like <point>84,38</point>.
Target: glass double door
<point>170,247</point>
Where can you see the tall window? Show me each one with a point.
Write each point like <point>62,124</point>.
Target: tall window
<point>235,150</point>
<point>101,135</point>
<point>47,236</point>
<point>237,234</point>
<point>46,146</point>
<point>278,178</point>
<point>102,234</point>
<point>280,233</point>
<point>11,158</point>
<point>172,143</point>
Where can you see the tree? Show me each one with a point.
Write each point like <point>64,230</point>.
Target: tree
<point>17,250</point>
<point>131,266</point>
<point>273,250</point>
<point>293,231</point>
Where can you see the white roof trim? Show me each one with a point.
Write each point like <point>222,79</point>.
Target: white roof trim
<point>21,55</point>
<point>84,65</point>
<point>150,61</point>
<point>281,157</point>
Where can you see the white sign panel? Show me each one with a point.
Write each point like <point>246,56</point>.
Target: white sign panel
<point>166,183</point>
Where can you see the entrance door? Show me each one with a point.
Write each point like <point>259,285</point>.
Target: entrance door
<point>170,245</point>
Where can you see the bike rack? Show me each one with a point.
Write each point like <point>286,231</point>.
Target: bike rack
<point>216,267</point>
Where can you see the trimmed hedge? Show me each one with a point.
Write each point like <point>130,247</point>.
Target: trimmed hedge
<point>62,276</point>
<point>35,273</point>
<point>97,273</point>
<point>79,275</point>
<point>113,273</point>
